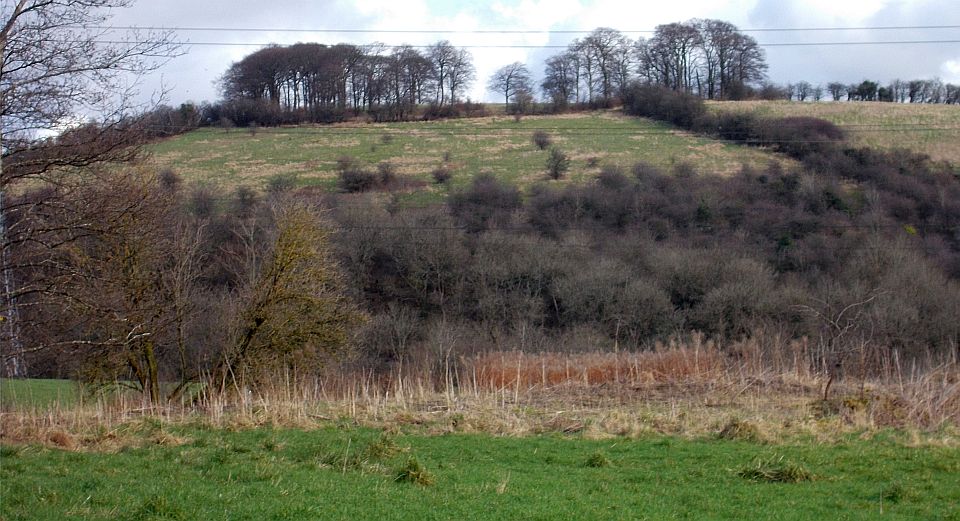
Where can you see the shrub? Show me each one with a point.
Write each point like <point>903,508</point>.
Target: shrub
<point>775,470</point>
<point>386,174</point>
<point>551,211</point>
<point>244,202</point>
<point>597,460</point>
<point>557,164</point>
<point>542,140</point>
<point>441,174</point>
<point>799,137</point>
<point>357,179</point>
<point>630,309</point>
<point>612,178</point>
<point>413,472</point>
<point>645,171</point>
<point>280,183</point>
<point>169,180</point>
<point>684,169</point>
<point>486,200</point>
<point>202,202</point>
<point>681,109</point>
<point>736,126</point>
<point>739,430</point>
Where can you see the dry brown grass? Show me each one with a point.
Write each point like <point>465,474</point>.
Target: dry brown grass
<point>746,391</point>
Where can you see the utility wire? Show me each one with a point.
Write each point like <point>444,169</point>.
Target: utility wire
<point>486,31</point>
<point>782,44</point>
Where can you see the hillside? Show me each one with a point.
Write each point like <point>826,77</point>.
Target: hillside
<point>498,145</point>
<point>930,129</point>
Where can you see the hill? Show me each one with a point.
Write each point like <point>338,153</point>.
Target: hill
<point>498,145</point>
<point>930,129</point>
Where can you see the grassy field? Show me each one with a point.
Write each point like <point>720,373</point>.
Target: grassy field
<point>495,145</point>
<point>342,473</point>
<point>931,129</point>
<point>37,393</point>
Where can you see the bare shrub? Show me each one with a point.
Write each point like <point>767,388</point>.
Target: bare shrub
<point>441,174</point>
<point>280,183</point>
<point>684,169</point>
<point>542,140</point>
<point>631,310</point>
<point>169,179</point>
<point>354,179</point>
<point>487,201</point>
<point>612,178</point>
<point>386,174</point>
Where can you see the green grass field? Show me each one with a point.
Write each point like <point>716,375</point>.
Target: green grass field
<point>930,129</point>
<point>350,473</point>
<point>36,393</point>
<point>495,145</point>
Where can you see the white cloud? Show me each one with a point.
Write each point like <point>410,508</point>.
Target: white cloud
<point>950,71</point>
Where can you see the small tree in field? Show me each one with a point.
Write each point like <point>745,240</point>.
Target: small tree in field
<point>557,163</point>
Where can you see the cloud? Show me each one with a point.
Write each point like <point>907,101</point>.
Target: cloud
<point>950,71</point>
<point>192,77</point>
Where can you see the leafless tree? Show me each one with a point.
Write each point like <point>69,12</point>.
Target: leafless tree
<point>442,55</point>
<point>836,90</point>
<point>510,80</point>
<point>709,57</point>
<point>461,74</point>
<point>560,79</point>
<point>608,52</point>
<point>55,70</point>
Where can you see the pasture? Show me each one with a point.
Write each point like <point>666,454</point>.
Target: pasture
<point>342,472</point>
<point>929,129</point>
<point>498,145</point>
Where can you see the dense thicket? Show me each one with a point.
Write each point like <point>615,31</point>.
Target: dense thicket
<point>857,251</point>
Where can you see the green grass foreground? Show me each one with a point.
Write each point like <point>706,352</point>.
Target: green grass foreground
<point>196,472</point>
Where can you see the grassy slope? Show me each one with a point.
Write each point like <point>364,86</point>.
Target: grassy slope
<point>498,145</point>
<point>198,473</point>
<point>931,129</point>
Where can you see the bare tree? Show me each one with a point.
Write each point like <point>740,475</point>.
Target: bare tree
<point>803,90</point>
<point>442,54</point>
<point>608,52</point>
<point>669,57</point>
<point>56,70</point>
<point>510,80</point>
<point>836,90</point>
<point>461,74</point>
<point>560,79</point>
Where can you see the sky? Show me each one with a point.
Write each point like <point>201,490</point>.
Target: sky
<point>193,76</point>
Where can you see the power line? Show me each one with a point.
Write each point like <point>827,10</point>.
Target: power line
<point>504,46</point>
<point>488,31</point>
